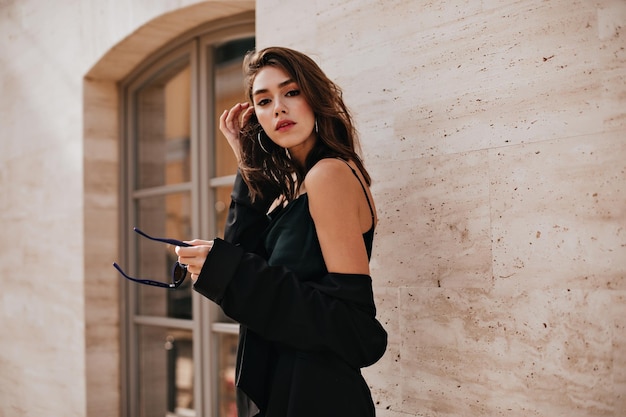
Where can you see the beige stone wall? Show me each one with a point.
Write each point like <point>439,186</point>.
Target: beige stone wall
<point>495,132</point>
<point>496,135</point>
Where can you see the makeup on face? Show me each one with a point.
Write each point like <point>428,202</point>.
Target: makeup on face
<point>283,112</point>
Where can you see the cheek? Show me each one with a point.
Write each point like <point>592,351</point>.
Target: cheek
<point>306,110</point>
<point>264,117</point>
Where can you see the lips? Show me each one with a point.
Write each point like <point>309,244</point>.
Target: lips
<point>284,125</point>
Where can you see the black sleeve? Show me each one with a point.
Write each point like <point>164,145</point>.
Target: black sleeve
<point>335,313</point>
<point>247,220</point>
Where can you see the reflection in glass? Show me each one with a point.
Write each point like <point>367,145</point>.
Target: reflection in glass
<point>222,202</point>
<point>165,372</point>
<point>163,128</point>
<point>170,216</point>
<point>227,358</point>
<point>228,87</point>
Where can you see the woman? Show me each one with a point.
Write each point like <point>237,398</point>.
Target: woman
<point>293,267</point>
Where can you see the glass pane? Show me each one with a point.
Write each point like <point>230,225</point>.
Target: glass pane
<point>222,202</point>
<point>163,216</point>
<point>222,317</point>
<point>226,386</point>
<point>165,372</point>
<point>228,88</point>
<point>163,128</point>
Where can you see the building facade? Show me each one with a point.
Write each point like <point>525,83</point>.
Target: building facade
<point>495,133</point>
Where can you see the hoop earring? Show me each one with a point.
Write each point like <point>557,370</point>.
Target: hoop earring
<point>316,129</point>
<point>261,143</point>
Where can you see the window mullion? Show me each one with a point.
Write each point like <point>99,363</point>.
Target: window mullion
<point>202,388</point>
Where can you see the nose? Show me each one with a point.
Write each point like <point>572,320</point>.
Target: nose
<point>279,107</point>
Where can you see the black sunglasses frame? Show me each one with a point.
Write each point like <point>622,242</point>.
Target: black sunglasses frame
<point>179,271</point>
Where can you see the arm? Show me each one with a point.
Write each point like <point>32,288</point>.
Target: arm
<point>341,214</point>
<point>335,313</point>
<point>246,220</point>
<point>245,224</point>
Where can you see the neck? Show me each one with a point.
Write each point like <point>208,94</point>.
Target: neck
<point>299,153</point>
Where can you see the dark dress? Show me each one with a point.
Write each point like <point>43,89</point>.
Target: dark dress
<point>305,333</point>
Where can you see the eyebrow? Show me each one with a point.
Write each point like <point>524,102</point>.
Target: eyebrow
<point>281,85</point>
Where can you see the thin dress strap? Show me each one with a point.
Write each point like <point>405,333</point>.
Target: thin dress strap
<point>364,189</point>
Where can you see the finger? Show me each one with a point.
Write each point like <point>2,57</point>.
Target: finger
<point>223,120</point>
<point>194,255</point>
<point>186,254</point>
<point>233,117</point>
<point>199,242</point>
<point>193,265</point>
<point>187,258</point>
<point>194,269</point>
<point>247,115</point>
<point>225,128</point>
<point>237,111</point>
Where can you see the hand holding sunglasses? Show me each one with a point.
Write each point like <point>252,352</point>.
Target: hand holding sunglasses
<point>179,271</point>
<point>194,256</point>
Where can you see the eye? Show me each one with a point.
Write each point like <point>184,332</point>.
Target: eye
<point>262,102</point>
<point>293,93</point>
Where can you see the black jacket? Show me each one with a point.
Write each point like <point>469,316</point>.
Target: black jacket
<point>302,343</point>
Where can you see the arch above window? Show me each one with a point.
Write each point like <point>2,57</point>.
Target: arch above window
<point>183,23</point>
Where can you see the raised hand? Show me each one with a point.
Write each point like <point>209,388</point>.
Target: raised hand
<point>231,122</point>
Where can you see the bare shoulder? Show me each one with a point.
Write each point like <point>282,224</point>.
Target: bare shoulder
<point>333,192</point>
<point>329,176</point>
<point>335,204</point>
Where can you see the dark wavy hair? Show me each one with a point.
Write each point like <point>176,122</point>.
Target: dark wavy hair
<point>274,171</point>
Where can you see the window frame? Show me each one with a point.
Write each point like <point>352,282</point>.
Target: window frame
<point>205,325</point>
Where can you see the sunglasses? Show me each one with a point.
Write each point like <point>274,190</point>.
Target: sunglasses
<point>179,271</point>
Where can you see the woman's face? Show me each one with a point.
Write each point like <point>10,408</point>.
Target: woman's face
<point>283,112</point>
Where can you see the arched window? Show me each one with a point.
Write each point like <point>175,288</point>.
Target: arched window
<point>177,169</point>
